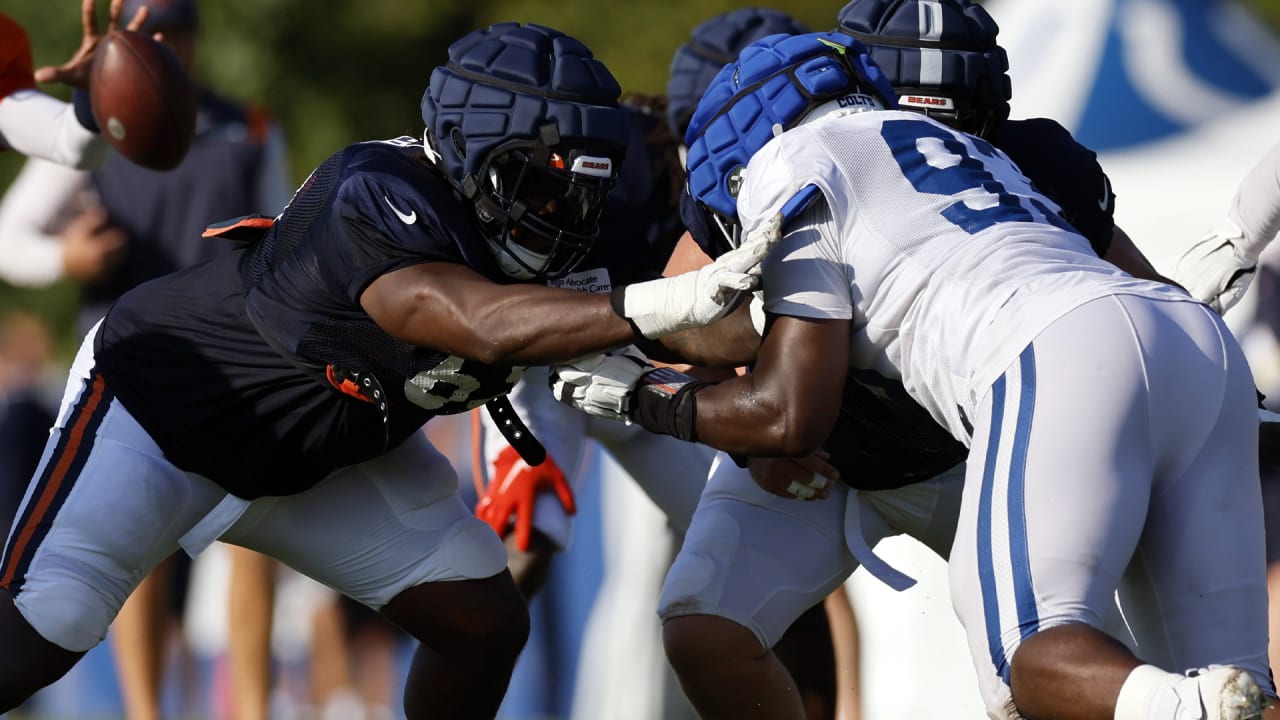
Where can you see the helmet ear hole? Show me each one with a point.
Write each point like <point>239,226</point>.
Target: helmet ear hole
<point>459,142</point>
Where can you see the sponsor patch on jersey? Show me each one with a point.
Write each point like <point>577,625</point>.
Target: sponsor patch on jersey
<point>591,165</point>
<point>927,102</point>
<point>595,280</point>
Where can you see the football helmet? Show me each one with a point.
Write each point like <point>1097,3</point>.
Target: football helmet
<point>940,56</point>
<point>713,44</point>
<point>776,83</point>
<point>525,124</point>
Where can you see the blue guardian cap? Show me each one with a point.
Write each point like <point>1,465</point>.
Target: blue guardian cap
<point>776,83</point>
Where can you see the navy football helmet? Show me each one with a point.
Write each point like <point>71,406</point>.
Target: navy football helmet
<point>525,125</point>
<point>941,58</point>
<point>775,84</point>
<point>713,44</point>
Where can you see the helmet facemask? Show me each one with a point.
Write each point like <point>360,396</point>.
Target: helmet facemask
<point>540,208</point>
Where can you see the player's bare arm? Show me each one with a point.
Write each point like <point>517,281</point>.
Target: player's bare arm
<point>1124,254</point>
<point>727,343</point>
<point>452,308</point>
<point>787,405</point>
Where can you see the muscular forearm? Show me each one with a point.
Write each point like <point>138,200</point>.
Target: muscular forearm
<point>450,308</point>
<point>727,343</point>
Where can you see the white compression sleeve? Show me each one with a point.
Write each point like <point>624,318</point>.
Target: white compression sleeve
<point>41,126</point>
<point>31,211</point>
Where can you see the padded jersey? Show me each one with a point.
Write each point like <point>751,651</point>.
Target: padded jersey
<point>237,366</point>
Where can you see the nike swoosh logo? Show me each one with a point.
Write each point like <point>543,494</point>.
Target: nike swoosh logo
<point>408,218</point>
<point>1105,201</point>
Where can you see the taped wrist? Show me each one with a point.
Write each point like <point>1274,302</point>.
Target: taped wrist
<point>666,403</point>
<point>656,307</point>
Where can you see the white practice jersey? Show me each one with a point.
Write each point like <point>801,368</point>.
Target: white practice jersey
<point>945,258</point>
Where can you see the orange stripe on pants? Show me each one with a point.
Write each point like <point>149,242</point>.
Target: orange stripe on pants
<point>55,480</point>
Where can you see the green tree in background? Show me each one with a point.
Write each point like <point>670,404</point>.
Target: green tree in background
<point>335,72</point>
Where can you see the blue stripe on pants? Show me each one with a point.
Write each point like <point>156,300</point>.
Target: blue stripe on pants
<point>1019,560</point>
<point>1015,504</point>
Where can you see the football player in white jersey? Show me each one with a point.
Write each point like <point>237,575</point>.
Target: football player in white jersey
<point>1110,420</point>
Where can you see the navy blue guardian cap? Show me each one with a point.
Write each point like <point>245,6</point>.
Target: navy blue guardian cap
<point>940,56</point>
<point>713,44</point>
<point>524,123</point>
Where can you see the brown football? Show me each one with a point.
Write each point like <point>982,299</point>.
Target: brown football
<point>143,99</point>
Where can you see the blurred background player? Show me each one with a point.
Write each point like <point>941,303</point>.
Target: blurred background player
<point>118,226</point>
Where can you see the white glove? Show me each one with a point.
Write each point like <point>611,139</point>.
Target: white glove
<point>1216,270</point>
<point>602,384</point>
<point>700,297</point>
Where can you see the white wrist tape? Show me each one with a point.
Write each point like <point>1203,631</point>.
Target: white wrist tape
<point>659,307</point>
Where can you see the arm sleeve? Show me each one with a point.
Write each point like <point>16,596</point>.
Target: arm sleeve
<point>41,126</point>
<point>1256,206</point>
<point>36,202</point>
<point>805,274</point>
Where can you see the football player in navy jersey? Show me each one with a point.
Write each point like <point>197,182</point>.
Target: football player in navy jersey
<point>273,397</point>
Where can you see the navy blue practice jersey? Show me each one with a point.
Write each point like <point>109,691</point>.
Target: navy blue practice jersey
<point>1064,171</point>
<point>260,369</point>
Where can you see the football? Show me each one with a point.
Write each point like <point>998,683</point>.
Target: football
<point>143,99</point>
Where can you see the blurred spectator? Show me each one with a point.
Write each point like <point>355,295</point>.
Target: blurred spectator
<point>25,414</point>
<point>122,225</point>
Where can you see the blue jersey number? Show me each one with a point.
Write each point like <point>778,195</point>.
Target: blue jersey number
<point>936,162</point>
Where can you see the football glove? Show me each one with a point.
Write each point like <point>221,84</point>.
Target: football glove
<point>699,297</point>
<point>1217,269</point>
<point>603,384</point>
<point>513,490</point>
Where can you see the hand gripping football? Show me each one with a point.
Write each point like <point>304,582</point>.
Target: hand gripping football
<point>143,100</point>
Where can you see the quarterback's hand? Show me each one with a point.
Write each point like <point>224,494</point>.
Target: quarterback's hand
<point>602,384</point>
<point>1216,270</point>
<point>514,488</point>
<point>806,478</point>
<point>699,297</point>
<point>75,72</point>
